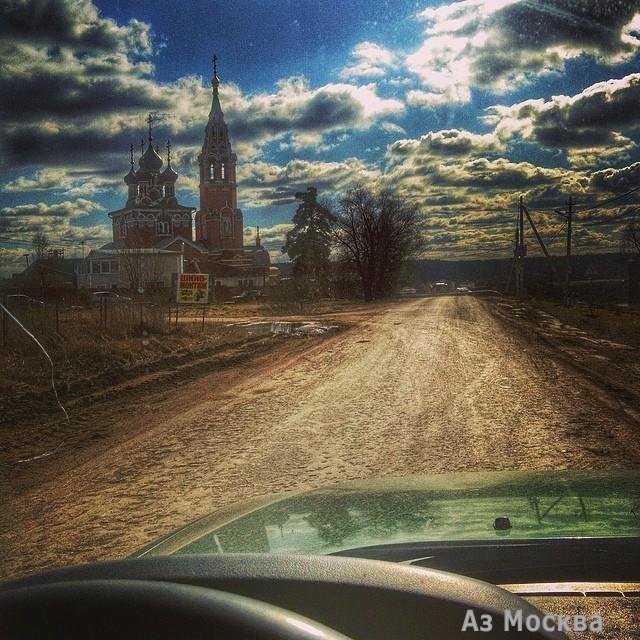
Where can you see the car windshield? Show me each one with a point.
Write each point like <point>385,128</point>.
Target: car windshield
<point>318,277</point>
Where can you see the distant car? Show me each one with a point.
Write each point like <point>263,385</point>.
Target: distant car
<point>20,298</point>
<point>108,296</point>
<point>462,290</point>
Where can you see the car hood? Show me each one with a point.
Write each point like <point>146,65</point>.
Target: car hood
<point>461,506</point>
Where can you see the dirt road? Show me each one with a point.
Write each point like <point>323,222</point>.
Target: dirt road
<point>431,385</point>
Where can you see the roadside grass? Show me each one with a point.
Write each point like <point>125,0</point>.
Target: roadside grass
<point>614,324</point>
<point>85,353</point>
<point>90,354</point>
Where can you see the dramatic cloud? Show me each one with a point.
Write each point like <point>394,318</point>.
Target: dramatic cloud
<point>370,60</point>
<point>493,44</point>
<point>590,125</point>
<point>616,180</point>
<point>73,23</point>
<point>295,107</point>
<point>445,143</point>
<point>18,224</point>
<point>69,182</point>
<point>263,183</point>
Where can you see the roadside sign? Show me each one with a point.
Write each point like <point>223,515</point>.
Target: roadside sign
<point>193,288</point>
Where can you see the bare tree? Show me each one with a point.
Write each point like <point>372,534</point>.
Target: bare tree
<point>377,232</point>
<point>631,237</point>
<point>40,244</point>
<point>140,265</point>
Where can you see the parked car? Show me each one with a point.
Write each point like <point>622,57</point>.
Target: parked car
<point>21,299</point>
<point>108,296</point>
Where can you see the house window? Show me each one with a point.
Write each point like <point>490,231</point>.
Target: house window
<point>115,267</point>
<point>95,266</point>
<point>105,267</point>
<point>163,227</point>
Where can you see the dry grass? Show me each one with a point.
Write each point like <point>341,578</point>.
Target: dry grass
<point>614,324</point>
<point>84,349</point>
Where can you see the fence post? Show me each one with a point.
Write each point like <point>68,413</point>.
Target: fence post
<point>4,325</point>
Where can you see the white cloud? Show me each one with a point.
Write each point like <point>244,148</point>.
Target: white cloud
<point>370,60</point>
<point>497,44</point>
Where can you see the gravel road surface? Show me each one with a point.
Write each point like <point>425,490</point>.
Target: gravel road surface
<point>430,385</point>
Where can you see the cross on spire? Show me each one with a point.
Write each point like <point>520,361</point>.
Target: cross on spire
<point>215,81</point>
<point>168,153</point>
<point>131,155</point>
<point>150,122</point>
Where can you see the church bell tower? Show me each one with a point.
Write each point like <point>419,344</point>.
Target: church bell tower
<point>219,224</point>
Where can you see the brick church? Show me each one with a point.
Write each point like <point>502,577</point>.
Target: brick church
<point>158,230</point>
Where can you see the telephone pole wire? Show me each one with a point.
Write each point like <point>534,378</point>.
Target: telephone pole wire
<point>520,251</point>
<point>567,275</point>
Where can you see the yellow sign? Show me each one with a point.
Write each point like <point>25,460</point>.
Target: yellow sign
<point>193,288</point>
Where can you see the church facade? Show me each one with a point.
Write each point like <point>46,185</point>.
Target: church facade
<point>155,237</point>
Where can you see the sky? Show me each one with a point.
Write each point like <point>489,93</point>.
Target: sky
<point>459,106</point>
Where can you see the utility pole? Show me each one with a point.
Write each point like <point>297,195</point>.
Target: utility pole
<point>83,243</point>
<point>541,243</point>
<point>520,252</point>
<point>567,275</point>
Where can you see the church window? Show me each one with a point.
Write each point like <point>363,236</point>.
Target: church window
<point>212,171</point>
<point>223,171</point>
<point>226,225</point>
<point>163,227</point>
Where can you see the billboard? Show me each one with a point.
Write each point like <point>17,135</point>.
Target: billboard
<point>193,288</point>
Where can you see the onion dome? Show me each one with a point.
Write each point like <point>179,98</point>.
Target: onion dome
<point>130,178</point>
<point>150,160</point>
<point>168,175</point>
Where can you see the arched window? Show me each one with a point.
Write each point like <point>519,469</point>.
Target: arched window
<point>212,171</point>
<point>163,227</point>
<point>223,171</point>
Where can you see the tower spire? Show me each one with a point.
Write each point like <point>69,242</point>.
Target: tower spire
<point>258,237</point>
<point>168,153</point>
<point>131,155</point>
<point>150,123</point>
<point>215,81</point>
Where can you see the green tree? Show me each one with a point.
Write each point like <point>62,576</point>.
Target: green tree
<point>309,243</point>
